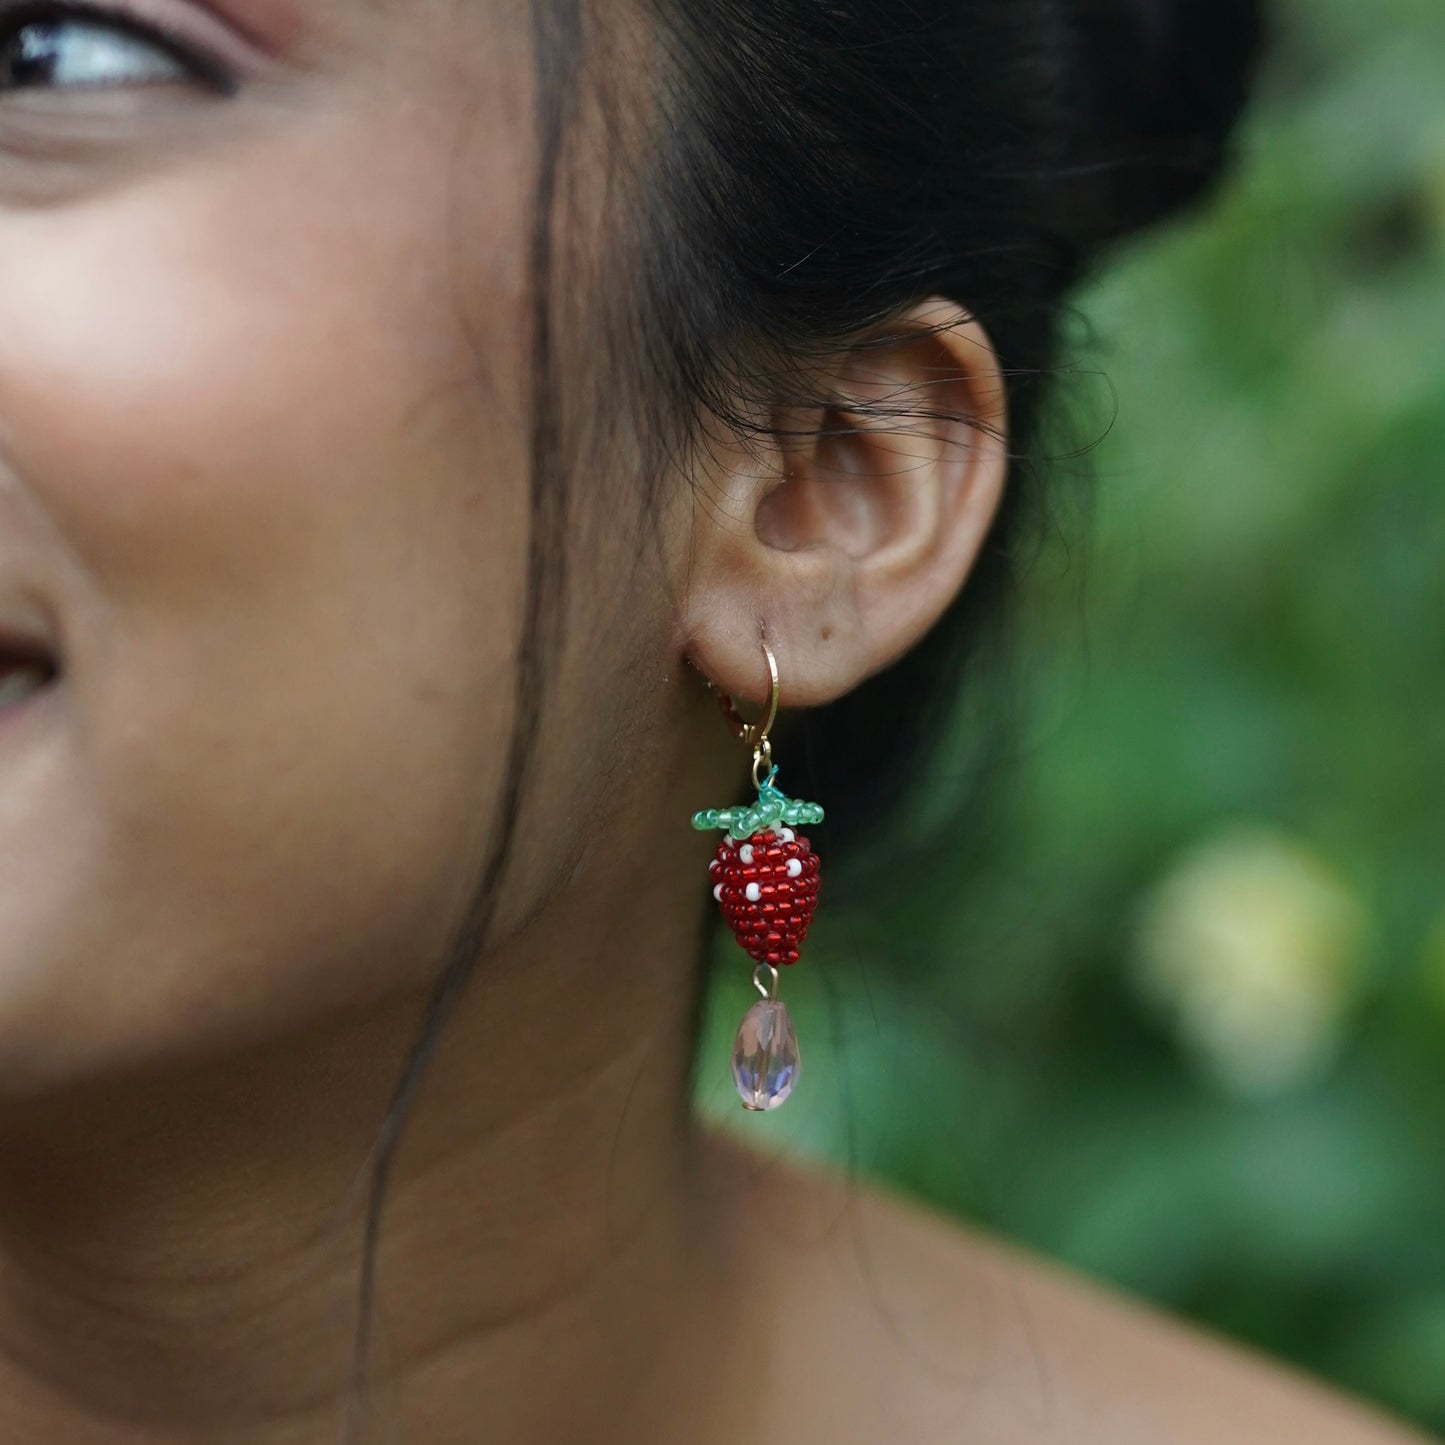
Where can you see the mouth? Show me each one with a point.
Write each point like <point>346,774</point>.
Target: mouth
<point>25,673</point>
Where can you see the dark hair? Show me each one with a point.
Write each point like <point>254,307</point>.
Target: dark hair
<point>825,165</point>
<point>799,173</point>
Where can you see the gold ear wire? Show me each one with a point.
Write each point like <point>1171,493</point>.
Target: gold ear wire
<point>755,735</point>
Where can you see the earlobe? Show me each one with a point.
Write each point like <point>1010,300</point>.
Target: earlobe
<point>863,522</point>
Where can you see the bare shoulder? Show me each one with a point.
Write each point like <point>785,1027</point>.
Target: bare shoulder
<point>905,1322</point>
<point>1131,1371</point>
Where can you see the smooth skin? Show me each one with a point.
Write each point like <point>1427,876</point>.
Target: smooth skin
<point>264,473</point>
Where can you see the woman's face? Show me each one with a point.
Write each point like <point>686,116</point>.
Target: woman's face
<point>263,491</point>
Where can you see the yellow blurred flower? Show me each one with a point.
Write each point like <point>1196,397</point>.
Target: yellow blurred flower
<point>1254,948</point>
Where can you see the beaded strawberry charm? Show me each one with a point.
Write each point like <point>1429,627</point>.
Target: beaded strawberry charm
<point>765,880</point>
<point>765,874</point>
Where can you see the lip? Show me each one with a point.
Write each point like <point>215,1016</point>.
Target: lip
<point>18,712</point>
<point>27,648</point>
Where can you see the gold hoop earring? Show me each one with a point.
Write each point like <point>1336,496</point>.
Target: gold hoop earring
<point>765,879</point>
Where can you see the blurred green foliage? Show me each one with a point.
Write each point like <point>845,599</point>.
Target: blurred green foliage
<point>1168,1002</point>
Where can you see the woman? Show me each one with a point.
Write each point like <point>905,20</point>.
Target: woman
<point>405,409</point>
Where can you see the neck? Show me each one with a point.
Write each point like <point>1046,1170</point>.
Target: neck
<point>179,1254</point>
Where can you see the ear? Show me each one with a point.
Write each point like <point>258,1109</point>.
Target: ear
<point>848,534</point>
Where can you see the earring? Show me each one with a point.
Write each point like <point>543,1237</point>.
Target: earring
<point>765,879</point>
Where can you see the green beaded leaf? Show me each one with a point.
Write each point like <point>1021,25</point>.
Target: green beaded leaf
<point>773,807</point>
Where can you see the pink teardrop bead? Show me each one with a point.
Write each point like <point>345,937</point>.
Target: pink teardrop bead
<point>765,1057</point>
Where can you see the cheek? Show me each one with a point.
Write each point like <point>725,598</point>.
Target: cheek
<point>280,521</point>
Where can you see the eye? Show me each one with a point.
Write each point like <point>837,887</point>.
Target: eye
<point>71,47</point>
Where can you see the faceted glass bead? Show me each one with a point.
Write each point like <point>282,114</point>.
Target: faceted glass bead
<point>765,1057</point>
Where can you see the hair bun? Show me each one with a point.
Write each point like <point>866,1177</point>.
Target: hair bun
<point>1162,84</point>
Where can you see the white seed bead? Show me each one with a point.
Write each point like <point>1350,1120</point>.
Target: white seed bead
<point>717,893</point>
<point>787,835</point>
<point>795,867</point>
<point>754,892</point>
<point>746,853</point>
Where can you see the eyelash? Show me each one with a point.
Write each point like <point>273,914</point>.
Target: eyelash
<point>206,69</point>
